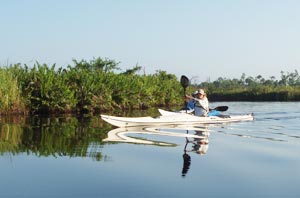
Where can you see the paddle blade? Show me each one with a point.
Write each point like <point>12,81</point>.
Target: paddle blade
<point>184,81</point>
<point>221,108</point>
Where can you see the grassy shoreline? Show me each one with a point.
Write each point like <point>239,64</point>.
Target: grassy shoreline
<point>98,85</point>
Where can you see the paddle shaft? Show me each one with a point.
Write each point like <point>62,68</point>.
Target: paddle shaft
<point>185,102</point>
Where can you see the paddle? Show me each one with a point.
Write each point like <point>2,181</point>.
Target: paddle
<point>220,108</point>
<point>184,81</point>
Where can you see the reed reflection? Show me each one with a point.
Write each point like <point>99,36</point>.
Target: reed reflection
<point>45,136</point>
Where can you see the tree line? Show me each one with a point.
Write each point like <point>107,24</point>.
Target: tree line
<point>287,88</point>
<point>99,85</point>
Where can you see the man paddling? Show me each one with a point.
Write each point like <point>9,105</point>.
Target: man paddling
<point>201,103</point>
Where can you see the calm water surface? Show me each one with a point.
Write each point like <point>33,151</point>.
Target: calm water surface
<point>68,157</point>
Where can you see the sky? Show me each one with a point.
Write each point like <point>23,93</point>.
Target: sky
<point>202,39</point>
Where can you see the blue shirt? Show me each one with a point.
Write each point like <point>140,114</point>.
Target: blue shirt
<point>191,104</point>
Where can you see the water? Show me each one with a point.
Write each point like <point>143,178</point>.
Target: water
<point>67,157</point>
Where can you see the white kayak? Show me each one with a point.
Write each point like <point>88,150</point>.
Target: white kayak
<point>173,119</point>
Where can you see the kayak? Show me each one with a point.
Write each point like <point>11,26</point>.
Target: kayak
<point>173,118</point>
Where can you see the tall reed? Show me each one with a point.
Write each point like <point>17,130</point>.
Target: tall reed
<point>10,94</point>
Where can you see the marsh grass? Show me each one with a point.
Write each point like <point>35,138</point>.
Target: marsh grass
<point>10,94</point>
<point>98,85</point>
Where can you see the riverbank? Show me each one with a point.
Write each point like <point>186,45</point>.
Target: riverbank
<point>98,85</point>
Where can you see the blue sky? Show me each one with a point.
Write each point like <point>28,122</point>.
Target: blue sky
<point>200,39</point>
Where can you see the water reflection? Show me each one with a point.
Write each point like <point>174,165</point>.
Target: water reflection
<point>196,139</point>
<point>86,136</point>
<point>59,136</point>
<point>198,145</point>
<point>125,134</point>
<point>121,135</point>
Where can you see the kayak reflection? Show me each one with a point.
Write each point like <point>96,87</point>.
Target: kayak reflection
<point>196,139</point>
<point>123,134</point>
